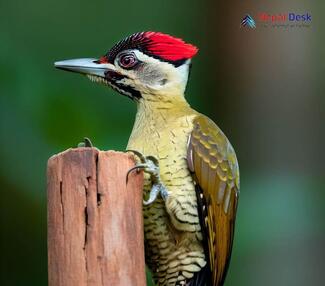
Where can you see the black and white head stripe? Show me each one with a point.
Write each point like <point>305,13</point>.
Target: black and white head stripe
<point>158,45</point>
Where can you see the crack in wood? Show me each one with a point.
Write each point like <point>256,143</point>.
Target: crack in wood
<point>62,206</point>
<point>98,194</point>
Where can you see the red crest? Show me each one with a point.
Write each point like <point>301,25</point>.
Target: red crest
<point>169,48</point>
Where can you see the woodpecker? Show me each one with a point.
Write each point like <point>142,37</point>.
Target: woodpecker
<point>191,184</point>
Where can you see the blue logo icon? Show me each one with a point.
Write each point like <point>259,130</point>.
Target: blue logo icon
<point>248,21</point>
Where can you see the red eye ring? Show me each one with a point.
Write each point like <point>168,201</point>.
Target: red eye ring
<point>128,61</point>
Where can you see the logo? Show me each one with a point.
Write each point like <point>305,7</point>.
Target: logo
<point>248,21</point>
<point>278,20</point>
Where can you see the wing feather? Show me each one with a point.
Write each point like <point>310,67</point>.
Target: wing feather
<point>213,162</point>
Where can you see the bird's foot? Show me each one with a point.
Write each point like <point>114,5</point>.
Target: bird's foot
<point>86,143</point>
<point>150,165</point>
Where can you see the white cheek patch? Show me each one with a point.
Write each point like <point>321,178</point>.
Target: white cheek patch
<point>151,75</point>
<point>165,75</point>
<point>154,76</point>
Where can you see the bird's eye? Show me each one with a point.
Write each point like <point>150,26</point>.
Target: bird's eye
<point>128,61</point>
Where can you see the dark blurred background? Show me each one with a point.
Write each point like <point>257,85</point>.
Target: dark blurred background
<point>264,87</point>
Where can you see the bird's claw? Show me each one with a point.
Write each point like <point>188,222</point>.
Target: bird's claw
<point>137,168</point>
<point>156,189</point>
<point>86,143</point>
<point>138,154</point>
<point>150,165</point>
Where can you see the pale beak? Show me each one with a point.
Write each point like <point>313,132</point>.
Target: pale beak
<point>85,66</point>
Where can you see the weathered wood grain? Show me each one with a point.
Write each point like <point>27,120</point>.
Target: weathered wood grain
<point>95,228</point>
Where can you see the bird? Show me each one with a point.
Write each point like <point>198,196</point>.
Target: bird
<point>191,173</point>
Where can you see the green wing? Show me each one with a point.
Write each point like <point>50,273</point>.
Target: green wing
<point>213,162</point>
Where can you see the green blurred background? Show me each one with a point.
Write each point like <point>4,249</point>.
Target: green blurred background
<point>263,87</point>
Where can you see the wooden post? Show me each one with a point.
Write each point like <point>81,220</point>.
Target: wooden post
<point>95,227</point>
